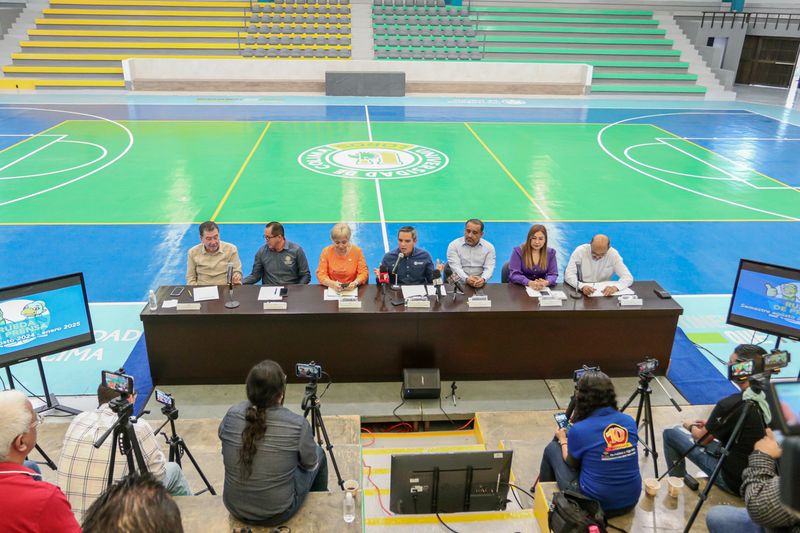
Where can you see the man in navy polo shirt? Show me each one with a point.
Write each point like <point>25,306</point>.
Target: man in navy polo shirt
<point>416,265</point>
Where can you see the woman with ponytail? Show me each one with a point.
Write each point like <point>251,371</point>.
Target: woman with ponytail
<point>271,459</point>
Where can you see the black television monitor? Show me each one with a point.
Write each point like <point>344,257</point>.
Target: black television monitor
<point>43,317</point>
<point>766,298</point>
<point>451,482</point>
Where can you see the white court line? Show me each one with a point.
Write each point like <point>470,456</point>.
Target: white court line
<point>26,156</point>
<point>24,176</point>
<point>739,138</point>
<point>630,157</point>
<point>735,163</point>
<point>384,233</point>
<point>681,187</point>
<point>73,180</point>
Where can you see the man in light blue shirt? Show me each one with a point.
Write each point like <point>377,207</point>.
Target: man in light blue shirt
<point>470,257</point>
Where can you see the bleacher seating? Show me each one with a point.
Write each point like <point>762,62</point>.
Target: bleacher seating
<point>80,43</point>
<point>423,29</point>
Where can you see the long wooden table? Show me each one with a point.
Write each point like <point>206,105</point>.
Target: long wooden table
<point>514,339</point>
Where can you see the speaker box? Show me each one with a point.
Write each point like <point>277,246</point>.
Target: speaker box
<point>421,384</point>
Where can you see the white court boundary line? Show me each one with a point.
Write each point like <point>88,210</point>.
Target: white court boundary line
<point>666,182</point>
<point>382,216</point>
<point>73,180</point>
<point>103,154</point>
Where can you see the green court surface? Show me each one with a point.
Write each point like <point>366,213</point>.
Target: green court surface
<point>187,171</point>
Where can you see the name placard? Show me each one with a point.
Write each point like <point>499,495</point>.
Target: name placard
<point>625,302</point>
<point>423,304</point>
<point>479,301</point>
<point>349,303</point>
<point>187,307</point>
<point>274,306</point>
<point>550,302</point>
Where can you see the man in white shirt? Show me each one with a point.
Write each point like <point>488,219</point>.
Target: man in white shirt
<point>83,469</point>
<point>470,257</point>
<point>598,262</point>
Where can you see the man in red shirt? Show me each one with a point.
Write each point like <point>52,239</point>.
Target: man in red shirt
<point>26,505</point>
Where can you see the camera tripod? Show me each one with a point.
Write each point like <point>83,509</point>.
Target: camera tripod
<point>177,446</point>
<point>311,406</point>
<point>747,405</point>
<point>124,437</point>
<point>643,391</point>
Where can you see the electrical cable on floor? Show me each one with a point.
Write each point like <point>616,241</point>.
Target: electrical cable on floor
<point>712,354</point>
<point>40,398</point>
<point>445,525</point>
<point>327,385</point>
<point>470,421</point>
<point>394,411</point>
<point>520,488</point>
<point>363,429</point>
<point>377,489</point>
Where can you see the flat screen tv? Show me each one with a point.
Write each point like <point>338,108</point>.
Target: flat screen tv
<point>451,482</point>
<point>766,298</point>
<point>43,317</point>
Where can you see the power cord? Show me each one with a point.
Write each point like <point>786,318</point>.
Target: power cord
<point>712,354</point>
<point>394,411</point>
<point>445,525</point>
<point>327,385</point>
<point>445,414</point>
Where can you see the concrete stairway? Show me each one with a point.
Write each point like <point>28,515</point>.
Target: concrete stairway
<point>697,66</point>
<point>19,30</point>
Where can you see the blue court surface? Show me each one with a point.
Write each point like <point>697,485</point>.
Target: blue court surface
<point>750,152</point>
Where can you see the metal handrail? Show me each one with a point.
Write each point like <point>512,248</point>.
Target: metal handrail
<point>750,19</point>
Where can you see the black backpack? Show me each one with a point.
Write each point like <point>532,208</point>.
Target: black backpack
<point>572,512</point>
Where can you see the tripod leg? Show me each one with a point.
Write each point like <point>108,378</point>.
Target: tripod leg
<point>113,458</point>
<point>650,427</point>
<point>181,445</point>
<point>49,462</point>
<point>328,446</point>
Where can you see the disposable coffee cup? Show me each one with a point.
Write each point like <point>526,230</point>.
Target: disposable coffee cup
<point>651,486</point>
<point>674,486</point>
<point>351,485</point>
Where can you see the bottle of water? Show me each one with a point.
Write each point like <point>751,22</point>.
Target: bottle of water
<point>349,507</point>
<point>151,300</point>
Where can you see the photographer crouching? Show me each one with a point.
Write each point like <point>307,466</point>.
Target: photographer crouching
<point>598,456</point>
<point>712,434</point>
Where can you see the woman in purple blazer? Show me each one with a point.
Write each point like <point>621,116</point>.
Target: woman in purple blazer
<point>533,264</point>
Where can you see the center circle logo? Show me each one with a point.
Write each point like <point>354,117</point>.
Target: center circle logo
<point>373,160</point>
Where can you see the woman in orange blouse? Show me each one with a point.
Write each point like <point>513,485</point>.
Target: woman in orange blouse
<point>342,265</point>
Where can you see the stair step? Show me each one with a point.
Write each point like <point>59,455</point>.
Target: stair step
<point>582,51</point>
<point>610,12</point>
<point>575,40</point>
<point>648,89</point>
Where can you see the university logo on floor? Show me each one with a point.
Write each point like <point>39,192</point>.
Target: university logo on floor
<point>373,160</point>
<point>618,445</point>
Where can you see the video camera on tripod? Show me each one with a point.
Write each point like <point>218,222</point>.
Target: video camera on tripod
<point>759,370</point>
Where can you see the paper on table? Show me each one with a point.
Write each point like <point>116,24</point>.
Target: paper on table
<point>600,285</point>
<point>169,304</point>
<point>413,290</point>
<point>270,293</point>
<point>331,294</point>
<point>547,293</point>
<point>561,295</point>
<point>532,293</point>
<point>202,294</point>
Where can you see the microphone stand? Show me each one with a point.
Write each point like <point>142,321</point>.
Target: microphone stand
<point>578,276</point>
<point>231,303</point>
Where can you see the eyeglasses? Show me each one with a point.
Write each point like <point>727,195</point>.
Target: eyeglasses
<point>38,422</point>
<point>268,237</point>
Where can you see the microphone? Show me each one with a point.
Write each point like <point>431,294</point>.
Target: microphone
<point>396,285</point>
<point>579,273</point>
<point>437,283</point>
<point>383,279</point>
<point>399,257</point>
<point>457,283</point>
<point>231,303</point>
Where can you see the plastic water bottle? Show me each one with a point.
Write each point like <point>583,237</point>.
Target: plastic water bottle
<point>349,507</point>
<point>151,300</point>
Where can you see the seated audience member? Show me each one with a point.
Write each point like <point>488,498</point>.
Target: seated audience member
<point>598,261</point>
<point>136,504</point>
<point>713,433</point>
<point>279,262</point>
<point>26,504</point>
<point>761,491</point>
<point>342,265</point>
<point>598,455</point>
<point>470,257</point>
<point>83,469</point>
<point>271,459</point>
<point>207,262</point>
<point>416,265</point>
<point>533,264</point>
